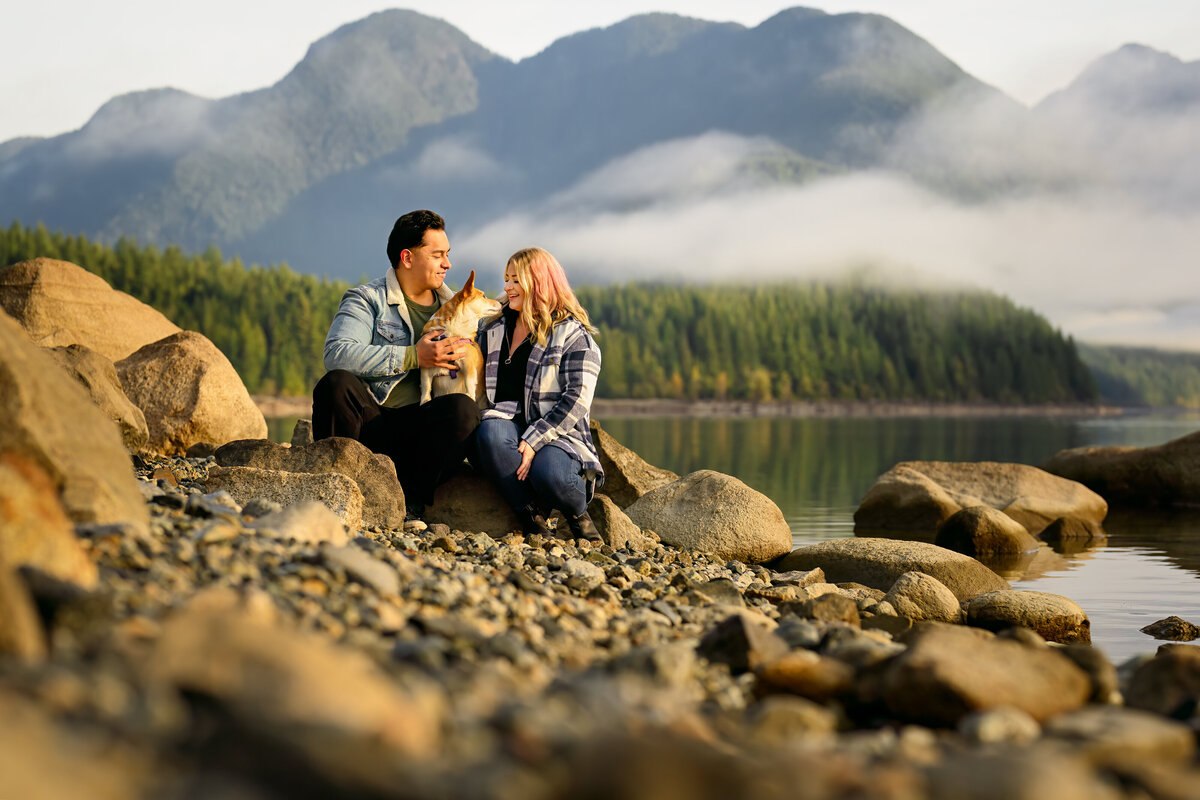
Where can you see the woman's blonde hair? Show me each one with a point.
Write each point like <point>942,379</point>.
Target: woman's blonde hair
<point>548,296</point>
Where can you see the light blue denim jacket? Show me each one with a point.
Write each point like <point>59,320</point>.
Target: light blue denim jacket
<point>371,333</point>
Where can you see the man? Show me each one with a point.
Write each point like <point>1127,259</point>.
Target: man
<point>373,352</point>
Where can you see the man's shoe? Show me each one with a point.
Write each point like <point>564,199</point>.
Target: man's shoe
<point>532,521</point>
<point>413,511</point>
<point>582,527</point>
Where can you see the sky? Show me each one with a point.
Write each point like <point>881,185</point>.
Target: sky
<point>65,58</point>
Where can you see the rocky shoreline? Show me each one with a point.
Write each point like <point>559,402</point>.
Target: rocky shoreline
<point>187,621</point>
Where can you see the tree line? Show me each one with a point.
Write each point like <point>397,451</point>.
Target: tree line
<point>765,343</point>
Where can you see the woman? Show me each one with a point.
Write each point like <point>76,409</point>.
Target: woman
<point>541,365</point>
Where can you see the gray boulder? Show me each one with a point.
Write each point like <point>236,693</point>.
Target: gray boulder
<point>97,375</point>
<point>1163,475</point>
<point>918,596</point>
<point>949,672</point>
<point>921,495</point>
<point>626,475</point>
<point>189,393</point>
<point>878,563</point>
<point>50,420</point>
<point>715,513</point>
<point>382,494</point>
<point>59,304</point>
<point>983,530</point>
<point>1054,617</point>
<point>337,492</point>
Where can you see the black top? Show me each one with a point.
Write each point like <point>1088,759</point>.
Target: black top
<point>510,379</point>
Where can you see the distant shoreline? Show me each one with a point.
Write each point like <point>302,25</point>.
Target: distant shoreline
<point>283,407</point>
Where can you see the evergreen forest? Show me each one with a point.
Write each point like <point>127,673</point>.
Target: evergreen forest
<point>766,343</point>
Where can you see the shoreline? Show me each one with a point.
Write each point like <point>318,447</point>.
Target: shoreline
<point>275,407</point>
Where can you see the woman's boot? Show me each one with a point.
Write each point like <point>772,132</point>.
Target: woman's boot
<point>582,527</point>
<point>532,521</point>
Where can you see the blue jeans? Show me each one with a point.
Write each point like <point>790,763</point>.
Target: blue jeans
<point>554,481</point>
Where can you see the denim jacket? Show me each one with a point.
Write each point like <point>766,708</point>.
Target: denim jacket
<point>371,333</point>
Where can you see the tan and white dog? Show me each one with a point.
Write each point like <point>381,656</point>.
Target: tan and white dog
<point>458,318</point>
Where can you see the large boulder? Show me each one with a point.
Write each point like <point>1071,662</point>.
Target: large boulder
<point>983,530</point>
<point>98,376</point>
<point>715,513</point>
<point>1163,475</point>
<point>921,495</point>
<point>50,420</point>
<point>470,502</point>
<point>918,596</point>
<point>615,526</point>
<point>335,491</point>
<point>382,494</point>
<point>948,672</point>
<point>878,563</point>
<point>59,303</point>
<point>34,529</point>
<point>189,393</point>
<point>1054,617</point>
<point>626,476</point>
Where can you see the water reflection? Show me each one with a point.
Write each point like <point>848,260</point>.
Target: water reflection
<point>817,470</point>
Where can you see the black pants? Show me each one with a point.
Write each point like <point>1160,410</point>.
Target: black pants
<point>427,442</point>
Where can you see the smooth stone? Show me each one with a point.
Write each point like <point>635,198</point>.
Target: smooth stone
<point>831,607</point>
<point>983,530</point>
<point>807,674</point>
<point>1052,616</point>
<point>189,393</point>
<point>1071,530</point>
<point>1163,475</point>
<point>714,513</point>
<point>878,563</point>
<point>921,495</point>
<point>948,672</point>
<point>60,304</point>
<point>780,720</point>
<point>918,596</point>
<point>582,576</point>
<point>291,682</point>
<point>1009,726</point>
<point>1099,669</point>
<point>1023,775</point>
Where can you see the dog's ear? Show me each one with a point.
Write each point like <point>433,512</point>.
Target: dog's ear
<point>469,286</point>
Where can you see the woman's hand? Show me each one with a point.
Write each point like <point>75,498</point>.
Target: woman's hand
<point>526,460</point>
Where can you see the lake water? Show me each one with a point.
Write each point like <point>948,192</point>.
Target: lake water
<point>816,470</point>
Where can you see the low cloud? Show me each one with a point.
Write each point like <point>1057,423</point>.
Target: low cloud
<point>1101,262</point>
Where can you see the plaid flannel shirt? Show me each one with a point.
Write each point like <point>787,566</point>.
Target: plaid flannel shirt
<point>560,381</point>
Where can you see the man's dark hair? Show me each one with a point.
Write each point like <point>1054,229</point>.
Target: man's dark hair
<point>409,232</point>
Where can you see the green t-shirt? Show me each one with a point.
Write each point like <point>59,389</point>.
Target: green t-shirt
<point>408,390</point>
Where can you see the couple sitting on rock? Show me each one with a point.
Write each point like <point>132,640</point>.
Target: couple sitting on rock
<point>533,439</point>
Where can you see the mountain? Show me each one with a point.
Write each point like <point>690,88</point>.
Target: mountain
<point>1135,116</point>
<point>400,110</point>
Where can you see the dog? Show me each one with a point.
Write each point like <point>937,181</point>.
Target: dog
<point>458,318</point>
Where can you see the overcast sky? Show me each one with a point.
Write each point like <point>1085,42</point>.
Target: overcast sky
<point>64,58</point>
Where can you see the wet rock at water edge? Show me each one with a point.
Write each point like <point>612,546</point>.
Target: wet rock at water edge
<point>1173,628</point>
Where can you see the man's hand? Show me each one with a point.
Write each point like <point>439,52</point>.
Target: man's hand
<point>443,353</point>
